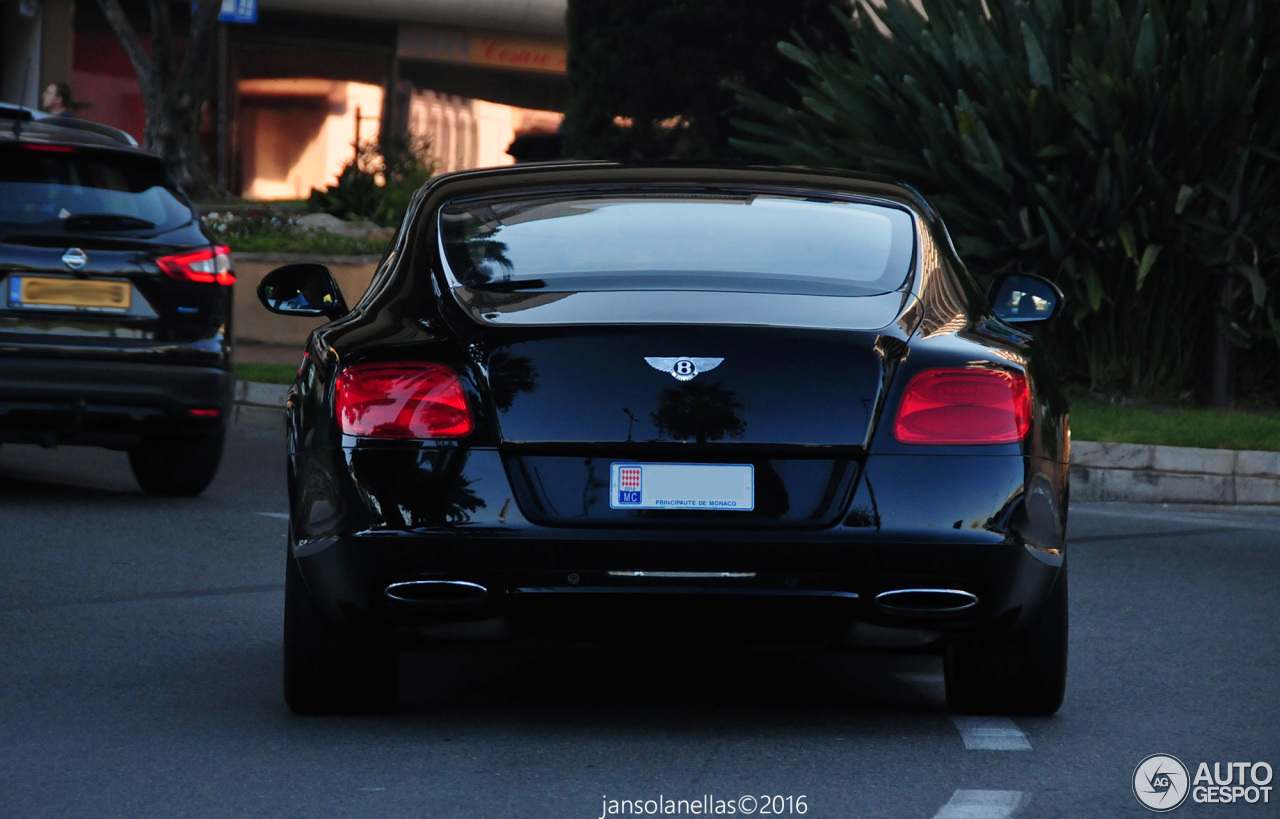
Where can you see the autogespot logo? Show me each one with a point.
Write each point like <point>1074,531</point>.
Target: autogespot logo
<point>1161,782</point>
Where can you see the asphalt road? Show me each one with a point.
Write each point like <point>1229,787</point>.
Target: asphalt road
<point>139,676</point>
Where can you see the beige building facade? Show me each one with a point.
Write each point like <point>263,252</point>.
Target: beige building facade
<point>296,90</point>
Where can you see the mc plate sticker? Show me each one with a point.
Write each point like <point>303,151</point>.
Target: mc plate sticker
<point>705,487</point>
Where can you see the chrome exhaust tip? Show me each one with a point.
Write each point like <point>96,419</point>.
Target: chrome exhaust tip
<point>923,602</point>
<point>436,592</point>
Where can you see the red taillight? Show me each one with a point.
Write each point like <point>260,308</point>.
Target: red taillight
<point>402,400</point>
<point>207,266</point>
<point>49,149</point>
<point>964,406</point>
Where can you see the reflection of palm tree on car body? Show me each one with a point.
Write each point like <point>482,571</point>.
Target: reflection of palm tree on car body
<point>704,412</point>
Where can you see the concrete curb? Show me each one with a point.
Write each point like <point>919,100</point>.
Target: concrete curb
<point>1139,473</point>
<point>1145,473</point>
<point>260,405</point>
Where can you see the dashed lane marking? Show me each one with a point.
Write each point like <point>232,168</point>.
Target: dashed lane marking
<point>978,733</point>
<point>991,734</point>
<point>276,515</point>
<point>983,805</point>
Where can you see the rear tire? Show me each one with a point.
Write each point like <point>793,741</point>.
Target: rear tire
<point>181,465</point>
<point>1024,674</point>
<point>329,669</point>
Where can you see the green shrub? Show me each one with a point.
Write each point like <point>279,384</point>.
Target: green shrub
<point>267,229</point>
<point>379,182</point>
<point>1128,150</point>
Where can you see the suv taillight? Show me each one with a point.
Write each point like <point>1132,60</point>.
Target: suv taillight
<point>964,406</point>
<point>207,266</point>
<point>402,400</point>
<point>50,149</point>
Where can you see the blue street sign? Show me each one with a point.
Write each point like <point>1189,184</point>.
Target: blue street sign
<point>239,11</point>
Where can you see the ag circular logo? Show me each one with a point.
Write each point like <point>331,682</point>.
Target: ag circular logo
<point>1161,782</point>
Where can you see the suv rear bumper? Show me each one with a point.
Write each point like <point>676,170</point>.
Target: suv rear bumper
<point>108,403</point>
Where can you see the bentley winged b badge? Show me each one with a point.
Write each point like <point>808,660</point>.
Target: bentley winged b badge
<point>683,368</point>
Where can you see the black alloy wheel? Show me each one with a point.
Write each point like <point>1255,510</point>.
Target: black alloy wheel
<point>179,465</point>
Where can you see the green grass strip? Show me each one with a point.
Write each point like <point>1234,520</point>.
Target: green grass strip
<point>1176,426</point>
<point>268,373</point>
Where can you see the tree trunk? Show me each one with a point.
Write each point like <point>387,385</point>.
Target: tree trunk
<point>173,92</point>
<point>1220,386</point>
<point>1220,380</point>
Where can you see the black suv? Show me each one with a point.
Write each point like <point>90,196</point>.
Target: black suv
<point>115,304</point>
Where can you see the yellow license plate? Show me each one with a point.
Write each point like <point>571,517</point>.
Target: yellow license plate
<point>80,293</point>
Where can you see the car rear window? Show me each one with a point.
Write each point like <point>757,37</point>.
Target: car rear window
<point>743,242</point>
<point>56,189</point>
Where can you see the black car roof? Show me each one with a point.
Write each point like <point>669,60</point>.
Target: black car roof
<point>18,123</point>
<point>576,173</point>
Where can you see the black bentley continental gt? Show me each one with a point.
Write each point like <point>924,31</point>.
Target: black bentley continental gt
<point>602,402</point>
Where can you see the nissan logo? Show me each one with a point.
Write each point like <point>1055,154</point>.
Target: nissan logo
<point>75,258</point>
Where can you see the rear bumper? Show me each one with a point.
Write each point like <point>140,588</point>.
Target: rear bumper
<point>109,403</point>
<point>984,529</point>
<point>753,590</point>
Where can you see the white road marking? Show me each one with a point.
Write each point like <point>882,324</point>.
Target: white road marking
<point>982,805</point>
<point>978,733</point>
<point>278,515</point>
<point>991,734</point>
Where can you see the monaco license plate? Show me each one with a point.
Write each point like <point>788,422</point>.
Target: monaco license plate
<point>705,487</point>
<point>79,294</point>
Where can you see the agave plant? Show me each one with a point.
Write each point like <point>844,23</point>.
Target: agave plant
<point>1128,150</point>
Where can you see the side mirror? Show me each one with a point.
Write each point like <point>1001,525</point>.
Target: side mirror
<point>1021,298</point>
<point>305,289</point>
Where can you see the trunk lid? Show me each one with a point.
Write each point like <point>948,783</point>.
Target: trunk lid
<point>787,411</point>
<point>688,386</point>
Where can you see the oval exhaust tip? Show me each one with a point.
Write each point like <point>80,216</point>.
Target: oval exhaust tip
<point>926,601</point>
<point>436,592</point>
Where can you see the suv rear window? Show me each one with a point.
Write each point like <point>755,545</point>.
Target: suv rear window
<point>721,241</point>
<point>56,189</point>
